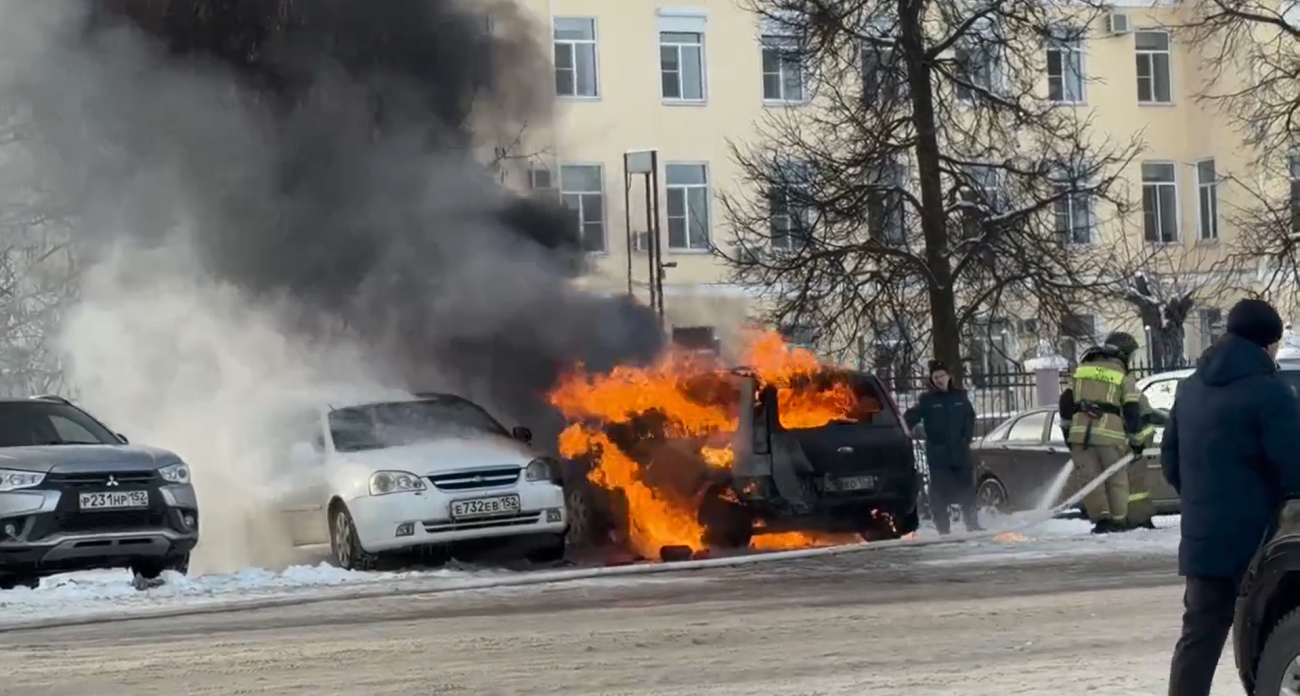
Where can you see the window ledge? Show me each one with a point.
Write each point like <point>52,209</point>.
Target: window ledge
<point>1057,102</point>
<point>685,102</point>
<point>777,103</point>
<point>577,98</point>
<point>1157,104</point>
<point>686,251</point>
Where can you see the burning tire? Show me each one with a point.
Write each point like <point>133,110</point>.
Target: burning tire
<point>727,524</point>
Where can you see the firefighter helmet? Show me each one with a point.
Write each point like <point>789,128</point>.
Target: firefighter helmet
<point>1122,342</point>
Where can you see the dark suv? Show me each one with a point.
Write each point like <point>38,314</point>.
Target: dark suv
<point>75,496</point>
<point>1266,630</point>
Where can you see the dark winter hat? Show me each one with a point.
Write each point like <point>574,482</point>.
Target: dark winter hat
<point>1256,321</point>
<point>937,365</point>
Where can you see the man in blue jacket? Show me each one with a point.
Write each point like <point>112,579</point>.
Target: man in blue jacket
<point>1232,451</point>
<point>948,418</point>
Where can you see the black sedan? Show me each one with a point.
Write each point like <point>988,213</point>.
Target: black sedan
<point>1016,463</point>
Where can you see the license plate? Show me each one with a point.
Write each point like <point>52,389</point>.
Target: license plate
<point>857,483</point>
<point>114,500</point>
<point>485,507</point>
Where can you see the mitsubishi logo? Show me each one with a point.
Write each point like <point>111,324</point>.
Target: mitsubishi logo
<point>478,479</point>
<point>112,481</point>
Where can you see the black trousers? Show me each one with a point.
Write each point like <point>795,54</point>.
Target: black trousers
<point>950,487</point>
<point>1208,605</point>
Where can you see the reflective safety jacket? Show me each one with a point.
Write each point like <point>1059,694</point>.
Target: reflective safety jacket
<point>1138,493</point>
<point>1106,403</point>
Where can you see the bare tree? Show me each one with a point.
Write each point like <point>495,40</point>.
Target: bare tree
<point>1250,53</point>
<point>37,269</point>
<point>928,187</point>
<point>1168,291</point>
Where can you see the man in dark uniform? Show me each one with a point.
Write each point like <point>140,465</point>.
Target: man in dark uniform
<point>948,418</point>
<point>1232,451</point>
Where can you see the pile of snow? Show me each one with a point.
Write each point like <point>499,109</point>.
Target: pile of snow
<point>1057,537</point>
<point>89,593</point>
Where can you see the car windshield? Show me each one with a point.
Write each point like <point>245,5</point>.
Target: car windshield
<point>42,423</point>
<point>392,424</point>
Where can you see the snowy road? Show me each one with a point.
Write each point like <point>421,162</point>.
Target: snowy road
<point>1054,613</point>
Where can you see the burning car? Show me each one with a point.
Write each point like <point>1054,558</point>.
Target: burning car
<point>783,453</point>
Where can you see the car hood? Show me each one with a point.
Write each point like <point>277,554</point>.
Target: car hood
<point>80,459</point>
<point>440,456</point>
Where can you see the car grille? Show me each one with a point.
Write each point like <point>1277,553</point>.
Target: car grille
<point>494,522</point>
<point>76,521</point>
<point>99,481</point>
<point>470,480</point>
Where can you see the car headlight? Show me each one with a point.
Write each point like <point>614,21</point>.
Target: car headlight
<point>385,482</point>
<point>175,473</point>
<point>11,480</point>
<point>540,470</point>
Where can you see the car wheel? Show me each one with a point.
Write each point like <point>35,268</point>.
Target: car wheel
<point>9,581</point>
<point>578,507</point>
<point>345,544</point>
<point>991,494</point>
<point>727,525</point>
<point>550,550</point>
<point>1279,662</point>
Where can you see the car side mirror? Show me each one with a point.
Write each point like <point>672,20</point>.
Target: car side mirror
<point>123,439</point>
<point>522,434</point>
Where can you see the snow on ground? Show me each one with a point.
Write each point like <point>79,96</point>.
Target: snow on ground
<point>92,593</point>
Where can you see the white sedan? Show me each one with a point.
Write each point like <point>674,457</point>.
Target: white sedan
<point>401,475</point>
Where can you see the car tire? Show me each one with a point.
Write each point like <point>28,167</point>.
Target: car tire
<point>1281,649</point>
<point>727,525</point>
<point>991,494</point>
<point>549,550</point>
<point>152,569</point>
<point>9,581</point>
<point>579,507</point>
<point>345,545</point>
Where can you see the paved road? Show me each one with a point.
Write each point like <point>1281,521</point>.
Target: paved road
<point>888,624</point>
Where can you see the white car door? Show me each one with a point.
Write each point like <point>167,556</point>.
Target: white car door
<point>306,489</point>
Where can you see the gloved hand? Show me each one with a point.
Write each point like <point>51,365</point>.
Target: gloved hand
<point>1137,448</point>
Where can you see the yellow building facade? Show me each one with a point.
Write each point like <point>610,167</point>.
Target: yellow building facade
<point>684,78</point>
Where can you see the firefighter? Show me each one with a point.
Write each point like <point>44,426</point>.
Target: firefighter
<point>1103,408</point>
<point>1140,509</point>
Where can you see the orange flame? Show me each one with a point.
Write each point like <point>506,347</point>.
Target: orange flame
<point>691,398</point>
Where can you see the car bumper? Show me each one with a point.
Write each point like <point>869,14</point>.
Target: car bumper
<point>42,530</point>
<point>425,518</point>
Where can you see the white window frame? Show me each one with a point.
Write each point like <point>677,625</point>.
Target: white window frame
<point>1178,227</point>
<point>707,186</point>
<point>1067,47</point>
<point>1149,55</point>
<point>1207,230</point>
<point>1072,200</point>
<point>604,206</point>
<point>683,21</point>
<point>788,244</point>
<point>777,42</point>
<point>574,45</point>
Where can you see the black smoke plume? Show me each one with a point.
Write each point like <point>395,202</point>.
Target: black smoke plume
<point>369,208</point>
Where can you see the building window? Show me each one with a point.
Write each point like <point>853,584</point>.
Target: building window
<point>582,190</point>
<point>800,334</point>
<point>681,65</point>
<point>1293,171</point>
<point>1071,209</point>
<point>574,41</point>
<point>883,80</point>
<point>1207,197</point>
<point>783,78</point>
<point>688,206</point>
<point>1065,70</point>
<point>1078,332</point>
<point>1211,325</point>
<point>1153,78</point>
<point>886,210</point>
<point>977,70</point>
<point>787,201</point>
<point>1159,202</point>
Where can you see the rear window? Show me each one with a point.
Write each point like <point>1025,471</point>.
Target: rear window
<point>834,397</point>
